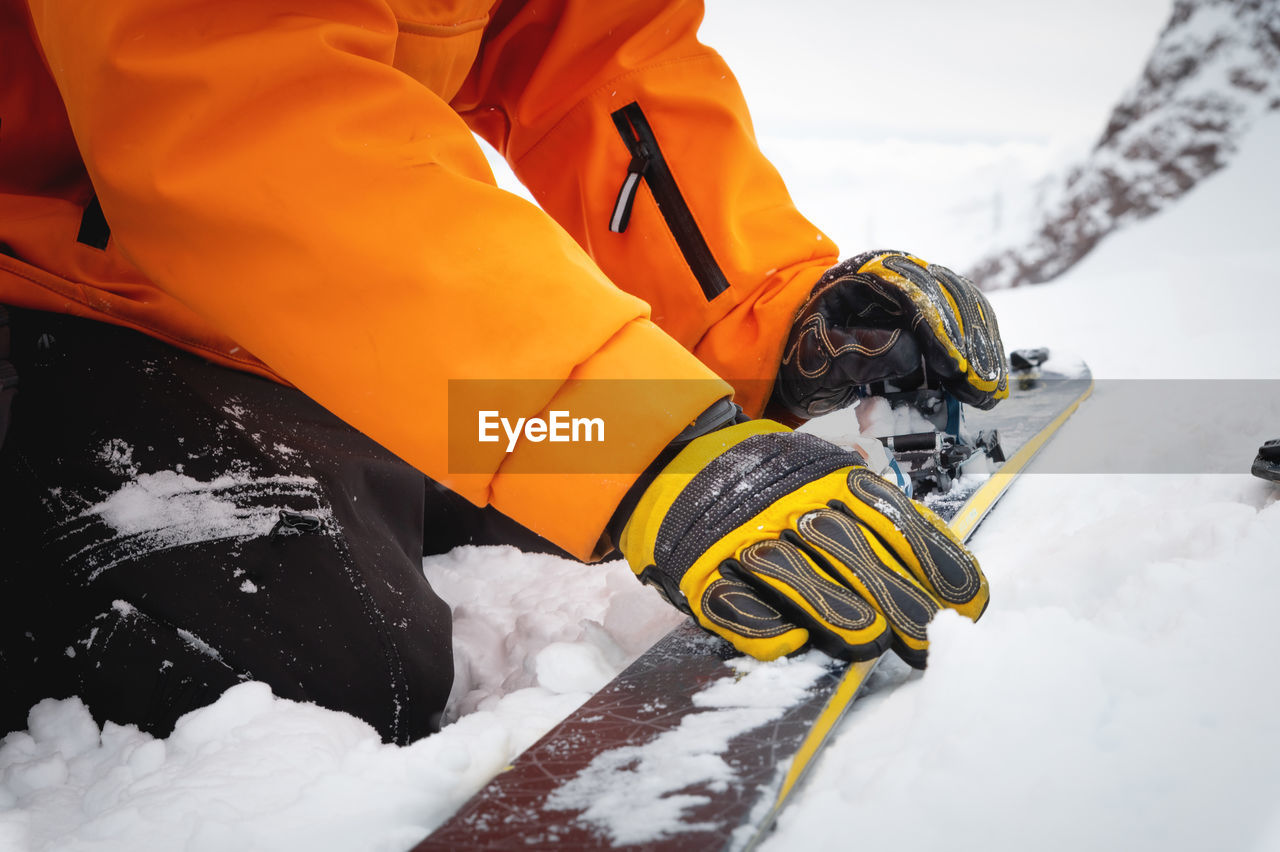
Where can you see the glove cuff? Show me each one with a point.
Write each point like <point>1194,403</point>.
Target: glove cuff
<point>723,412</point>
<point>639,536</point>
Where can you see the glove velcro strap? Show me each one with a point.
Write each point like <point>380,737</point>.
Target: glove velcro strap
<point>639,536</point>
<point>737,485</point>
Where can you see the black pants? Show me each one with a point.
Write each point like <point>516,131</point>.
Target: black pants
<point>169,528</point>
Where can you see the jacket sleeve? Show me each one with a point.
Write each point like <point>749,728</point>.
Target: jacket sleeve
<point>265,164</point>
<point>551,77</point>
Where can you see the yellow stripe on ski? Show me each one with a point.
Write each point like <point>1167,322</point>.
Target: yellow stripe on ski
<point>981,501</point>
<point>850,683</point>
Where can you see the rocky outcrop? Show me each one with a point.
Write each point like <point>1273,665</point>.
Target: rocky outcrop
<point>1214,70</point>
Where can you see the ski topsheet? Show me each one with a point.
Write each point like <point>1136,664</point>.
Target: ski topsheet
<point>696,747</point>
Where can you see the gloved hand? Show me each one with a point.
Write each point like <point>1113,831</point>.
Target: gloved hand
<point>777,540</point>
<point>880,316</point>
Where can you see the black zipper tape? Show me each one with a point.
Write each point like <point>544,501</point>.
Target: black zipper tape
<point>94,230</point>
<point>647,164</point>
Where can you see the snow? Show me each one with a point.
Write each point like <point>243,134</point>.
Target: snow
<point>1115,696</point>
<point>528,621</point>
<point>1119,692</point>
<point>167,500</point>
<point>167,509</point>
<point>1187,294</point>
<point>249,772</point>
<point>1211,75</point>
<point>256,772</point>
<point>635,794</point>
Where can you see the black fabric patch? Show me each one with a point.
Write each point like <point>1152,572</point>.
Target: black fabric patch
<point>8,375</point>
<point>737,485</point>
<point>907,608</point>
<point>94,230</point>
<point>737,607</point>
<point>950,571</point>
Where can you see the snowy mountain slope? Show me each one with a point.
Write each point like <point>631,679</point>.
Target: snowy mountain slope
<point>1213,72</point>
<point>1187,294</point>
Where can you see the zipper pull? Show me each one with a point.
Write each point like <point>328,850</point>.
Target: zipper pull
<point>627,195</point>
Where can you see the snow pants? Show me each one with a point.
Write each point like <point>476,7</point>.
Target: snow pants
<point>170,527</point>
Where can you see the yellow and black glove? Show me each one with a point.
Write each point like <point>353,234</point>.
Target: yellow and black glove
<point>884,316</point>
<point>777,540</point>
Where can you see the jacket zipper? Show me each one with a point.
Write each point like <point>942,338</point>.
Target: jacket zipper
<point>648,164</point>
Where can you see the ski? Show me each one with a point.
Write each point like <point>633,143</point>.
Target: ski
<point>694,746</point>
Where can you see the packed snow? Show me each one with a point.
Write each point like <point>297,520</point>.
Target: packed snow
<point>637,794</point>
<point>1119,692</point>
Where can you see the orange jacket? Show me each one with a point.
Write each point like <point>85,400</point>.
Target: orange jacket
<point>292,188</point>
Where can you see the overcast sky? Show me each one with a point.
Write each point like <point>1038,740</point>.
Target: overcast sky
<point>947,70</point>
<point>926,124</point>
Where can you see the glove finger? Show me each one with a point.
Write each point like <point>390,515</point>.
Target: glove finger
<point>840,622</point>
<point>936,323</point>
<point>920,540</point>
<point>987,372</point>
<point>731,608</point>
<point>854,554</point>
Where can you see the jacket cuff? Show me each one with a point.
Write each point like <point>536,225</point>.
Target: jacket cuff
<point>745,347</point>
<point>646,389</point>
